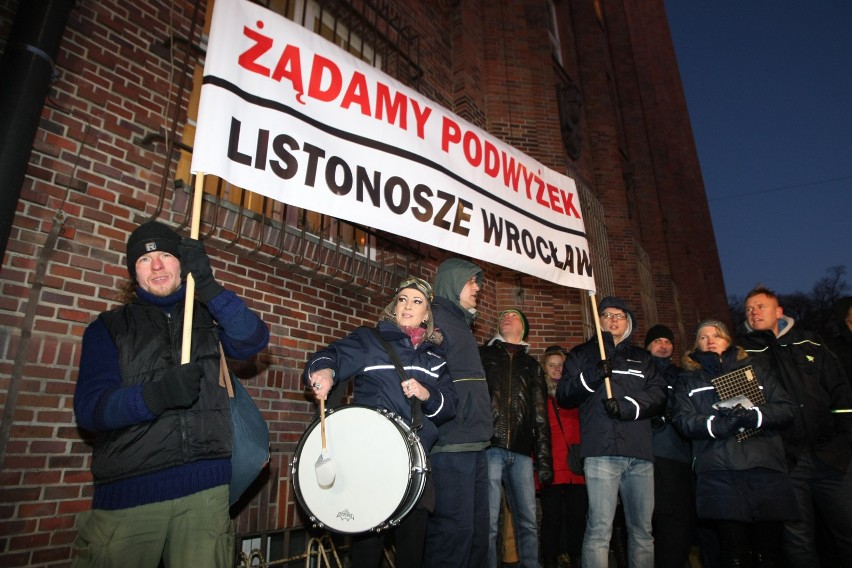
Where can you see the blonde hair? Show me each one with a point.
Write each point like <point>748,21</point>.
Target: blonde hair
<point>550,352</point>
<point>433,335</point>
<point>689,363</point>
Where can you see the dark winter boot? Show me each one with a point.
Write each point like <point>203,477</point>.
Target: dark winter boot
<point>738,561</point>
<point>768,561</point>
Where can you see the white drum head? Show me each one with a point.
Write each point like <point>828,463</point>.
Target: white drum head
<point>372,465</point>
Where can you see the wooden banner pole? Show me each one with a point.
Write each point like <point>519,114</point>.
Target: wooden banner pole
<point>189,303</point>
<point>597,319</point>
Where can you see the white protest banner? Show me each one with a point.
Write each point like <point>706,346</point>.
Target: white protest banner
<point>289,115</point>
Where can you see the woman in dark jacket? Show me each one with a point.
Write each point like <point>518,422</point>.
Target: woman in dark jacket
<point>742,482</point>
<point>407,326</point>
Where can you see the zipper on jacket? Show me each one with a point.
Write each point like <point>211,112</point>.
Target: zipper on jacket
<point>509,403</point>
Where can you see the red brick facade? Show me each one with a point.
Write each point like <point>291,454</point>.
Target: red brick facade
<point>489,62</point>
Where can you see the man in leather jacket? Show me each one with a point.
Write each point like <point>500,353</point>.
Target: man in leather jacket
<point>521,433</point>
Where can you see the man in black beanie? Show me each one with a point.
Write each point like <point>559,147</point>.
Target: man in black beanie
<point>161,453</point>
<point>674,498</point>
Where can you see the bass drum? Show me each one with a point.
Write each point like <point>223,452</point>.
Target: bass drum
<point>379,464</point>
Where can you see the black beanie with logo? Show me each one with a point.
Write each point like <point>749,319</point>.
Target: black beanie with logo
<point>149,237</point>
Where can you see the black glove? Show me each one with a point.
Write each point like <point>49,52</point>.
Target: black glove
<point>178,388</point>
<point>595,375</point>
<point>658,422</point>
<point>725,424</point>
<point>611,406</point>
<point>603,369</point>
<point>194,259</point>
<point>745,417</point>
<point>545,477</point>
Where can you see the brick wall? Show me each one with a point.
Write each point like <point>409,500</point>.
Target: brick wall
<point>488,61</point>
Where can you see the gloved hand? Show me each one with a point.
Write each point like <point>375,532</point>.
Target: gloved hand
<point>604,369</point>
<point>545,477</point>
<point>611,407</point>
<point>658,422</point>
<point>725,424</point>
<point>194,259</point>
<point>178,388</point>
<point>595,376</point>
<point>745,417</point>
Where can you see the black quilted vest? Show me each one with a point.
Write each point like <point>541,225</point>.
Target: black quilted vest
<point>149,344</point>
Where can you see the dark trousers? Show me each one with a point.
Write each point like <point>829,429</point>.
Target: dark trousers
<point>674,513</point>
<point>457,531</point>
<point>744,545</point>
<point>820,490</point>
<point>366,550</point>
<point>563,520</point>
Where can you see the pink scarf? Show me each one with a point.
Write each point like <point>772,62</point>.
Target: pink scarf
<point>416,334</point>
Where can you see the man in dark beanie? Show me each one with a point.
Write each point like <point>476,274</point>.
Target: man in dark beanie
<point>617,442</point>
<point>659,332</point>
<point>149,237</point>
<point>521,442</point>
<point>162,447</point>
<point>674,498</point>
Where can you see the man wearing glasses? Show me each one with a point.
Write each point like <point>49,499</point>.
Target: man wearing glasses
<point>616,432</point>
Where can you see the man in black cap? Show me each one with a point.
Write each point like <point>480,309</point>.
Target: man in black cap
<point>162,447</point>
<point>521,441</point>
<point>674,498</point>
<point>616,433</point>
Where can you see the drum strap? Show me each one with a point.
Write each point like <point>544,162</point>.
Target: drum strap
<point>416,411</point>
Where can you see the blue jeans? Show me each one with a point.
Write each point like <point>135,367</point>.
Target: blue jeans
<point>514,472</point>
<point>606,477</point>
<point>830,491</point>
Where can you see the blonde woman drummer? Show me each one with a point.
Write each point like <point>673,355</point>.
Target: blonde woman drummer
<point>406,326</point>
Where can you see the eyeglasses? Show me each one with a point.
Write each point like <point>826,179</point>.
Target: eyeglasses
<point>420,284</point>
<point>612,315</point>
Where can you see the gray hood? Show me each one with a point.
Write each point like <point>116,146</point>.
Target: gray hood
<point>451,277</point>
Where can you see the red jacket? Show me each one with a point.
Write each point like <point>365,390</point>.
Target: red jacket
<point>560,440</point>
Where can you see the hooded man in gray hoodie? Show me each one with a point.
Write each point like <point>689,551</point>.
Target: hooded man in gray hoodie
<point>457,533</point>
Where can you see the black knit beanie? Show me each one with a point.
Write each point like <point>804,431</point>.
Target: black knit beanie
<point>149,237</point>
<point>657,332</point>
